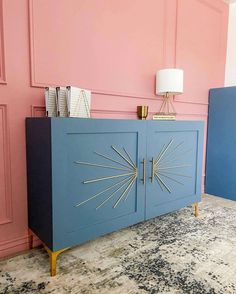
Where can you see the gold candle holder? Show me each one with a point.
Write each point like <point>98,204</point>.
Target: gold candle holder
<point>142,112</point>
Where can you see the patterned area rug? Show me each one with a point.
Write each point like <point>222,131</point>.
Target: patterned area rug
<point>175,253</point>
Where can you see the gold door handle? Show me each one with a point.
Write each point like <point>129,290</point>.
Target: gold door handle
<point>144,171</point>
<point>152,172</point>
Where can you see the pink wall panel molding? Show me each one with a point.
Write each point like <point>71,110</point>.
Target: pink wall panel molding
<point>200,47</point>
<point>2,48</point>
<point>116,45</point>
<point>14,245</point>
<point>5,172</point>
<point>38,111</point>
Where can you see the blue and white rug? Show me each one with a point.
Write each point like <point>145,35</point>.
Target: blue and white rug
<point>175,253</point>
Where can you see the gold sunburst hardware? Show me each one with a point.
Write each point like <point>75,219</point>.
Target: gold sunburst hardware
<point>123,186</point>
<point>167,160</point>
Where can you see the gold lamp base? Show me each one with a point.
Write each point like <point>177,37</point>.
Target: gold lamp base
<point>167,110</point>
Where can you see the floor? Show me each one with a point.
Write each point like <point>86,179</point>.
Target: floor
<point>175,253</point>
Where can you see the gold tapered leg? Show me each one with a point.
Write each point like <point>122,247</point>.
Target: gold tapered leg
<point>53,263</point>
<point>196,209</point>
<point>53,259</point>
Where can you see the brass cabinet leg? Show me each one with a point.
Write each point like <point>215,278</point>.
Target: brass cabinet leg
<point>53,259</point>
<point>196,209</point>
<point>53,263</point>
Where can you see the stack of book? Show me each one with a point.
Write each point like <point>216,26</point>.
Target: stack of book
<point>67,102</point>
<point>163,116</point>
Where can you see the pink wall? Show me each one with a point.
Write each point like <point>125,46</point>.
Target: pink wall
<point>112,47</point>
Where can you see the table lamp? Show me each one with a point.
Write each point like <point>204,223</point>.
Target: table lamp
<point>169,82</point>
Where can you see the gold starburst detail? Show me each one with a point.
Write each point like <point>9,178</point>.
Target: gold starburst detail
<point>165,162</point>
<point>124,186</point>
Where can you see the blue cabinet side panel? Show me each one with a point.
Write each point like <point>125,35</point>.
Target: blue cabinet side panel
<point>39,179</point>
<point>221,145</point>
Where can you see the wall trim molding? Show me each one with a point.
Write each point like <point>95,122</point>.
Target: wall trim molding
<point>37,108</point>
<point>38,84</point>
<point>7,166</point>
<point>41,108</point>
<point>135,95</point>
<point>2,47</point>
<point>31,43</point>
<point>138,96</point>
<point>207,3</point>
<point>143,96</point>
<point>17,244</point>
<point>216,9</point>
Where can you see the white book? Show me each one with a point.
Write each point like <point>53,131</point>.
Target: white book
<point>62,109</point>
<point>51,101</point>
<point>78,102</point>
<point>164,117</point>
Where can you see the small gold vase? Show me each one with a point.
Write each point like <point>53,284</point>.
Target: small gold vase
<point>142,112</point>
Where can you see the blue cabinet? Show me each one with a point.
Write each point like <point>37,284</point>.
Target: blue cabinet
<point>89,177</point>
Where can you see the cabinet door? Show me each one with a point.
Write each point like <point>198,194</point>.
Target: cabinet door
<point>97,172</point>
<point>174,153</point>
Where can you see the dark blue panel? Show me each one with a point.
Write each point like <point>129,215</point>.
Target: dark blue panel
<point>221,144</point>
<point>176,148</point>
<point>107,155</point>
<point>39,178</point>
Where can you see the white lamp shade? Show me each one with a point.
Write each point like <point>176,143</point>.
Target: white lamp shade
<point>169,80</point>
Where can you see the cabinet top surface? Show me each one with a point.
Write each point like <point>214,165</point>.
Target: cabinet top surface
<point>67,119</point>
